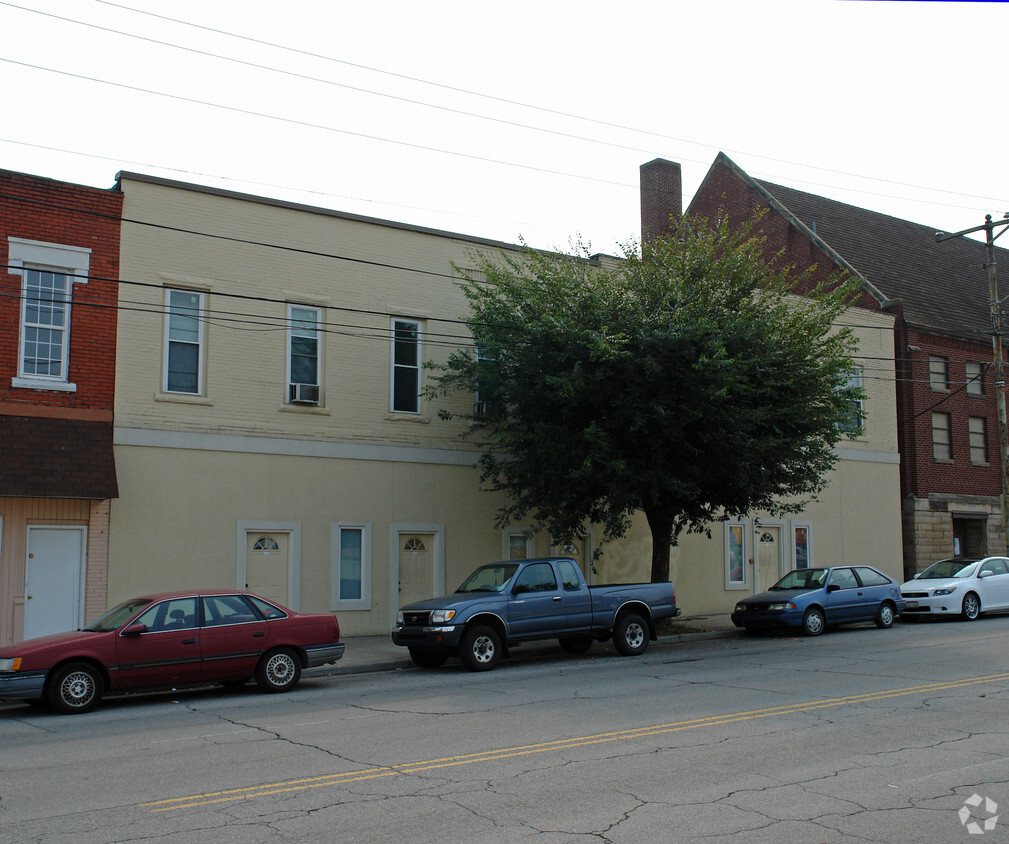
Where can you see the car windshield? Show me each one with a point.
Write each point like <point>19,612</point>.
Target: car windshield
<point>801,579</point>
<point>490,578</point>
<point>948,568</point>
<point>117,615</point>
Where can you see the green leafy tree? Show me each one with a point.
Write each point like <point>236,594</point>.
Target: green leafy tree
<point>686,381</point>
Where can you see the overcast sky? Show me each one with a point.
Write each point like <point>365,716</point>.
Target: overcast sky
<point>515,119</point>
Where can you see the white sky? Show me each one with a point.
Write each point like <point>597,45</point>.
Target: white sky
<point>517,118</point>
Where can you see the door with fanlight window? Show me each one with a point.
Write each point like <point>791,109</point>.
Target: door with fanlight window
<point>769,559</point>
<point>268,566</point>
<point>416,567</point>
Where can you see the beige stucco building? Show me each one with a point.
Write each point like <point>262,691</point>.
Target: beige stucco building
<point>269,434</point>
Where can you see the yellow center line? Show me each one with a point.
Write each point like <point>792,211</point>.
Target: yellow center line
<point>330,780</point>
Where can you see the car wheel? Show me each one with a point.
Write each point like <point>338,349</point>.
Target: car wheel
<point>75,687</point>
<point>630,635</point>
<point>884,617</point>
<point>428,657</point>
<point>971,606</point>
<point>480,648</point>
<point>575,644</point>
<point>278,671</point>
<point>814,622</point>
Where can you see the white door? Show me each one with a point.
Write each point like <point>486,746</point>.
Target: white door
<point>416,567</point>
<point>53,580</point>
<point>769,560</point>
<point>267,566</point>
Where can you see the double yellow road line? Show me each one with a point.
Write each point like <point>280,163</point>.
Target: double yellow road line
<point>330,780</point>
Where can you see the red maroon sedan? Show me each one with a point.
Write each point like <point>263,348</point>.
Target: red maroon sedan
<point>172,639</point>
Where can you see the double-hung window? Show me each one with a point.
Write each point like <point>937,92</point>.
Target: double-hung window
<point>183,342</point>
<point>942,447</point>
<point>975,378</point>
<point>976,431</point>
<point>48,272</point>
<point>303,354</point>
<point>938,373</point>
<point>45,324</point>
<point>405,366</point>
<point>854,424</point>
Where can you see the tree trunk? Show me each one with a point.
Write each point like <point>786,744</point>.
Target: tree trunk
<point>661,526</point>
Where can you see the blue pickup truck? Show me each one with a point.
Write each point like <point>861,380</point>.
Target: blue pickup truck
<point>503,604</point>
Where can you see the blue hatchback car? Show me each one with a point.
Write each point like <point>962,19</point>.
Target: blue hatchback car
<point>813,599</point>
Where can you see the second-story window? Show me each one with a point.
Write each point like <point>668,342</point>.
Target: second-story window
<point>48,274</point>
<point>938,373</point>
<point>45,323</point>
<point>978,440</point>
<point>942,448</point>
<point>854,424</point>
<point>303,354</point>
<point>405,366</point>
<point>184,342</point>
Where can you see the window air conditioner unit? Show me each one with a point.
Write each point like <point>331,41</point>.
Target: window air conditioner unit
<point>303,394</point>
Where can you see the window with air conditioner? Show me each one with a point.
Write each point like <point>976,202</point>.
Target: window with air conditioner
<point>303,334</point>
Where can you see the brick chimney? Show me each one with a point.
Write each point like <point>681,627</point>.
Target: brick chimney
<point>661,196</point>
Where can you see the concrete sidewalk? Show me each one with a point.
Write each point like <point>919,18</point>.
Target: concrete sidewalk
<point>366,654</point>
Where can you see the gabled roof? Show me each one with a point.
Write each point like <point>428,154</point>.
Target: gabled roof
<point>943,286</point>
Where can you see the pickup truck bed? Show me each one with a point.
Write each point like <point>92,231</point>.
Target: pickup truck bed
<point>503,604</point>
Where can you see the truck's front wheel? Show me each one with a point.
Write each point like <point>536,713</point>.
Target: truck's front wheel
<point>630,634</point>
<point>480,648</point>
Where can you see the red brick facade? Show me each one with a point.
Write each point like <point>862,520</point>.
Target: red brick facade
<point>44,210</point>
<point>57,470</point>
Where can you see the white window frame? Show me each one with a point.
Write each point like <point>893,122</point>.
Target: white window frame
<point>74,262</point>
<point>527,535</point>
<point>337,601</point>
<point>297,323</point>
<point>746,540</point>
<point>394,367</point>
<point>856,427</point>
<point>795,526</point>
<point>200,339</point>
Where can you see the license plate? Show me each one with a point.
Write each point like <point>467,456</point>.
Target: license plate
<point>911,605</point>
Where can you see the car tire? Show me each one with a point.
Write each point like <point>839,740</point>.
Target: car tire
<point>630,634</point>
<point>75,688</point>
<point>278,671</point>
<point>971,607</point>
<point>814,622</point>
<point>428,657</point>
<point>480,648</point>
<point>885,615</point>
<point>575,644</point>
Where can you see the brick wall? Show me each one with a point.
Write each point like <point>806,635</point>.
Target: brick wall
<point>55,212</point>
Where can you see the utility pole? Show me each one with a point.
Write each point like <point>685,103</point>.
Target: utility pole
<point>996,341</point>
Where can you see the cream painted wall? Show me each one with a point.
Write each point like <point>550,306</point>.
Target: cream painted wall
<point>193,470</point>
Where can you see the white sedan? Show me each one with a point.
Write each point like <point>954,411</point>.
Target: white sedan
<point>964,587</point>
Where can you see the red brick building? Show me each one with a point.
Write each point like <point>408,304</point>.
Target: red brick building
<point>938,295</point>
<point>59,271</point>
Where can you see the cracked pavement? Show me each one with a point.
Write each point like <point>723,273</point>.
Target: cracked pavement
<point>857,735</point>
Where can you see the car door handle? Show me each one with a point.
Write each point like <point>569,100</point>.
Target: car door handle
<point>258,634</point>
<point>557,597</point>
<point>190,641</point>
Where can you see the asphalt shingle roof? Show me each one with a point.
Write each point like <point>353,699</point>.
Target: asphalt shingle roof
<point>944,286</point>
<point>42,457</point>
